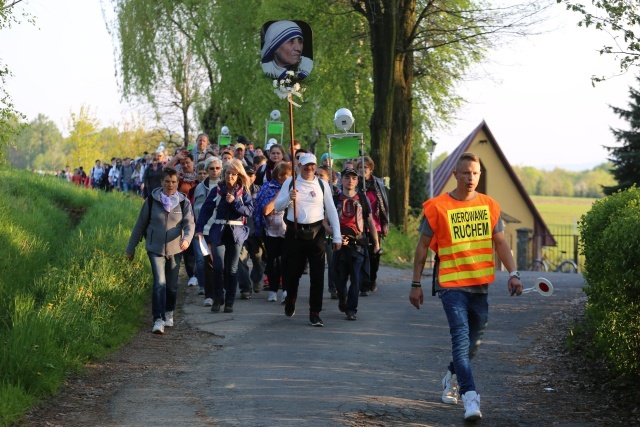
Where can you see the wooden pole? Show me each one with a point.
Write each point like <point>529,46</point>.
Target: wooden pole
<point>293,162</point>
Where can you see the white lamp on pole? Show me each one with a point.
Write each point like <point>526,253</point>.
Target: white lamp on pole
<point>431,147</point>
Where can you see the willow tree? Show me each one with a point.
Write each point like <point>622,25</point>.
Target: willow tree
<point>420,50</point>
<point>224,41</point>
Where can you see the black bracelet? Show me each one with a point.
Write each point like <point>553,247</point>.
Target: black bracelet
<point>416,285</point>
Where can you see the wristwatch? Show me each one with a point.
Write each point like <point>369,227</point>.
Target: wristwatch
<point>514,275</point>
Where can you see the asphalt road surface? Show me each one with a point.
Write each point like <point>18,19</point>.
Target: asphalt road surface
<point>257,367</point>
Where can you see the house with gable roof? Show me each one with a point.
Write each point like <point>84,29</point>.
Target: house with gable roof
<point>499,181</point>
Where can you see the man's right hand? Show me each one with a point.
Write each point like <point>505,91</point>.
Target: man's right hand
<point>416,297</point>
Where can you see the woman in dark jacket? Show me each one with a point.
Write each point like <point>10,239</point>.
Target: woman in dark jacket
<point>168,227</point>
<point>377,195</point>
<point>226,208</point>
<point>152,176</point>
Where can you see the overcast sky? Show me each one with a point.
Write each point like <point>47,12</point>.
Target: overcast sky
<point>539,102</point>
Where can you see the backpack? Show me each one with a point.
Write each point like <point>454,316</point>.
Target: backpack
<point>150,201</point>
<point>349,219</point>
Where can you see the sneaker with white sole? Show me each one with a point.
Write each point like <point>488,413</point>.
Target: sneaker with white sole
<point>193,281</point>
<point>208,302</point>
<point>450,388</point>
<point>168,319</point>
<point>284,297</point>
<point>471,401</point>
<point>273,296</point>
<point>158,327</point>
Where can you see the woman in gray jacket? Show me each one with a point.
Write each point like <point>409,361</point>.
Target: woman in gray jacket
<point>166,220</point>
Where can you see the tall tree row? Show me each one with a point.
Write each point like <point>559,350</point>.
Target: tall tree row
<point>394,63</point>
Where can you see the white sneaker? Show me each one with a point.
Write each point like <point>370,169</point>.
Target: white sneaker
<point>284,296</point>
<point>168,319</point>
<point>450,389</point>
<point>273,296</point>
<point>471,401</point>
<point>208,302</point>
<point>158,327</point>
<point>193,281</point>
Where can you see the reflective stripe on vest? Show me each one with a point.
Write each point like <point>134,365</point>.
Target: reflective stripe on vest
<point>463,239</point>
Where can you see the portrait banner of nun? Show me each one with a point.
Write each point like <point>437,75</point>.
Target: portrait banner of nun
<point>286,46</point>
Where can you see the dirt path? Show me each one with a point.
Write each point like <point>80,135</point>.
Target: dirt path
<point>256,367</point>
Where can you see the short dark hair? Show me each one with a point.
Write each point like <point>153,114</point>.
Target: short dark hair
<point>169,171</point>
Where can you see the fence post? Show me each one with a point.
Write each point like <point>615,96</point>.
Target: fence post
<point>524,236</point>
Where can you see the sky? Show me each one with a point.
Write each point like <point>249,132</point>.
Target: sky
<point>535,93</point>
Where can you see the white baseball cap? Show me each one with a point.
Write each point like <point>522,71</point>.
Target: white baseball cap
<point>308,158</point>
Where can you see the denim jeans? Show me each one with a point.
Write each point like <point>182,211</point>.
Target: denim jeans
<point>467,314</point>
<point>348,264</point>
<point>225,269</point>
<point>165,283</point>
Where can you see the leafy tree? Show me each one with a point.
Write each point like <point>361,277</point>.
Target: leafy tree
<point>39,145</point>
<point>420,50</point>
<point>618,18</point>
<point>626,158</point>
<point>83,138</point>
<point>10,118</point>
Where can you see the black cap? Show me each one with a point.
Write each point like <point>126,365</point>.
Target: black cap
<point>250,170</point>
<point>349,171</point>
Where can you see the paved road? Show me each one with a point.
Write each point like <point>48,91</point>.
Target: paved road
<point>258,367</point>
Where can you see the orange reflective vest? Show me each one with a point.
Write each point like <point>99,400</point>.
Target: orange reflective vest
<point>462,238</point>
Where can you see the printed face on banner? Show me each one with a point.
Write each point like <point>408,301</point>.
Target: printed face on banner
<point>286,46</point>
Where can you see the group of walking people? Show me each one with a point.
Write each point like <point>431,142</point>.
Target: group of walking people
<point>299,214</point>
<point>232,207</point>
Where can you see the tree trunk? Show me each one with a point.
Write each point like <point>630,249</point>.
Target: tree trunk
<point>401,138</point>
<point>381,16</point>
<point>391,23</point>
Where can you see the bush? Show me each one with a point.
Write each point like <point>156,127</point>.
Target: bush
<point>610,236</point>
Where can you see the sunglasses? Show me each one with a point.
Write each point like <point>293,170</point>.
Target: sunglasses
<point>215,169</point>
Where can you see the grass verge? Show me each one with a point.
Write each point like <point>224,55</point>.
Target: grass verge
<point>67,295</point>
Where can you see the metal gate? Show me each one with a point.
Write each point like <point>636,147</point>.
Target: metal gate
<point>566,248</point>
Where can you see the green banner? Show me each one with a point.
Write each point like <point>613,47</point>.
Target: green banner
<point>224,140</point>
<point>345,148</point>
<point>274,128</point>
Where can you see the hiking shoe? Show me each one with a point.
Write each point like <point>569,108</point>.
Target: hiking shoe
<point>257,286</point>
<point>216,306</point>
<point>314,319</point>
<point>201,291</point>
<point>168,319</point>
<point>245,295</point>
<point>208,302</point>
<point>193,281</point>
<point>471,401</point>
<point>284,297</point>
<point>158,327</point>
<point>289,306</point>
<point>228,308</point>
<point>273,296</point>
<point>351,315</point>
<point>342,305</point>
<point>450,388</point>
<point>334,294</point>
<point>364,293</point>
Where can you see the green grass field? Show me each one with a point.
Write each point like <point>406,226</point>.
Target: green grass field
<point>562,211</point>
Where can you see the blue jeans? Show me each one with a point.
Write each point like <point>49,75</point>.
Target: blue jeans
<point>252,249</point>
<point>225,270</point>
<point>165,283</point>
<point>348,264</point>
<point>467,314</point>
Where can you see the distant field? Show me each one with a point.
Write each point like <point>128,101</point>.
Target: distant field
<point>562,211</point>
